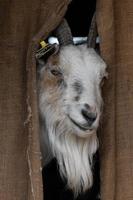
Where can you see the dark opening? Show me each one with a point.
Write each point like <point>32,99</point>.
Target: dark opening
<point>79,16</point>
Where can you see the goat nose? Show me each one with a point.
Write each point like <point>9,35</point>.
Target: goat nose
<point>90,117</point>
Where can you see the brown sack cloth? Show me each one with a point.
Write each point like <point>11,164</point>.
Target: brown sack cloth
<point>22,25</point>
<point>115,26</point>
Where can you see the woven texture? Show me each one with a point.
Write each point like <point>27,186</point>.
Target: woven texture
<point>23,24</point>
<point>115,26</point>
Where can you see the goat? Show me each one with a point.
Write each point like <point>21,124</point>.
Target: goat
<point>70,105</point>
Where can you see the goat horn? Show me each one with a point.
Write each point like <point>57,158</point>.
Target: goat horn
<point>63,33</point>
<point>92,33</point>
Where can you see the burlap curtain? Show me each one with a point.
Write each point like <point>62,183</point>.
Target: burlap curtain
<point>115,26</point>
<point>22,25</point>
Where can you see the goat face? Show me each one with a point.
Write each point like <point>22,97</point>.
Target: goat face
<point>70,106</point>
<point>70,89</point>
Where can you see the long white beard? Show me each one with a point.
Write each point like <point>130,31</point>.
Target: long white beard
<point>74,155</point>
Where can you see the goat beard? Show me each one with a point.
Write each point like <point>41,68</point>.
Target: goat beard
<point>74,155</point>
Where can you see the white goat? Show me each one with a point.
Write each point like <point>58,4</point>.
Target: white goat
<point>70,107</point>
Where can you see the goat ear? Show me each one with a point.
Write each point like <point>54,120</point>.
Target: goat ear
<point>54,58</point>
<point>44,54</point>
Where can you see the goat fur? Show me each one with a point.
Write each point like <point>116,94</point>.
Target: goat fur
<point>73,148</point>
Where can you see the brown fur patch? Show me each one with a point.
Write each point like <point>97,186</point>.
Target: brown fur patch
<point>48,79</point>
<point>49,82</point>
<point>54,60</point>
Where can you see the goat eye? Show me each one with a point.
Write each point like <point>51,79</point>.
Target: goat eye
<point>55,72</point>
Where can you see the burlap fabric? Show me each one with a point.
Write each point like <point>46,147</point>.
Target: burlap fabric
<point>115,26</point>
<point>22,25</point>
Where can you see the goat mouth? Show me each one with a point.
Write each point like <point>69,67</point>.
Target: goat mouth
<point>81,127</point>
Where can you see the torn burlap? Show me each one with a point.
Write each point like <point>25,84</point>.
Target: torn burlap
<point>22,25</point>
<point>115,26</point>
